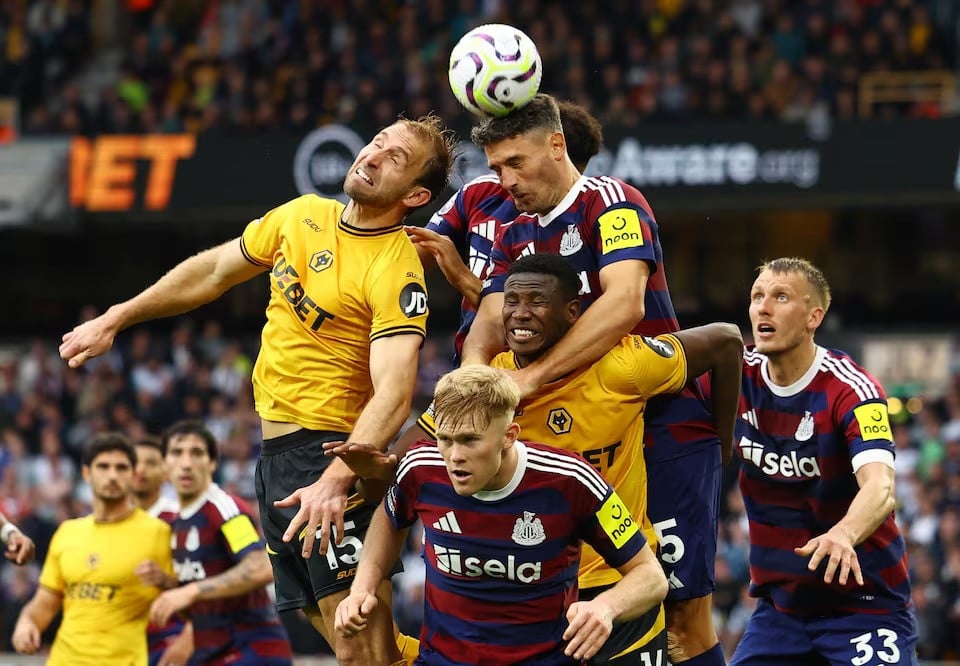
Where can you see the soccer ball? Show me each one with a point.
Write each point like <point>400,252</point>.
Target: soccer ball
<point>495,69</point>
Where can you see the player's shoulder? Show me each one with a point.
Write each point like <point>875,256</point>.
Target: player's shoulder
<point>610,191</point>
<point>221,505</point>
<point>74,526</point>
<point>504,361</point>
<point>844,376</point>
<point>481,187</point>
<point>565,467</point>
<point>142,522</point>
<point>421,458</point>
<point>752,360</point>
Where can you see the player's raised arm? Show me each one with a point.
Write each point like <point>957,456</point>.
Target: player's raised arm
<point>381,548</point>
<point>717,349</point>
<point>613,315</point>
<point>190,284</point>
<point>441,250</point>
<point>34,619</point>
<point>485,339</point>
<point>393,370</point>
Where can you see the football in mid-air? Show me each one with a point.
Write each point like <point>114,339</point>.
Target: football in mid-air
<point>495,69</point>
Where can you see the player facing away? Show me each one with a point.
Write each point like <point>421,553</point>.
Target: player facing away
<point>606,229</point>
<point>171,644</point>
<point>89,572</point>
<point>459,236</point>
<point>503,521</point>
<point>220,562</point>
<point>338,354</point>
<point>540,307</point>
<point>827,561</point>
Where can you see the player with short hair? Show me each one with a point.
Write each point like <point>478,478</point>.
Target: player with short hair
<point>827,560</point>
<point>503,521</point>
<point>173,643</point>
<point>89,572</point>
<point>541,304</point>
<point>338,354</point>
<point>459,236</point>
<point>606,229</point>
<point>220,562</point>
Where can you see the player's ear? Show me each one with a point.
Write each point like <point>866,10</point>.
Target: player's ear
<point>513,431</point>
<point>815,318</point>
<point>558,145</point>
<point>572,310</point>
<point>418,196</point>
<point>85,472</point>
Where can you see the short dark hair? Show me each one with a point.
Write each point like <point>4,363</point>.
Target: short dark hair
<point>109,441</point>
<point>581,131</point>
<point>541,113</point>
<point>150,442</point>
<point>550,264</point>
<point>191,427</point>
<point>814,276</point>
<point>442,145</point>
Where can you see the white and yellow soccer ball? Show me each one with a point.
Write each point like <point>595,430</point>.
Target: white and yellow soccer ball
<point>495,69</point>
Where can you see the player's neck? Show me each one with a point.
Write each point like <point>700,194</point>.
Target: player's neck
<point>787,368</point>
<point>508,468</point>
<point>112,511</point>
<point>369,217</point>
<point>187,500</point>
<point>147,501</point>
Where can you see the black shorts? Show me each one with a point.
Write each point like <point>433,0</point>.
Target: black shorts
<point>626,634</point>
<point>286,464</point>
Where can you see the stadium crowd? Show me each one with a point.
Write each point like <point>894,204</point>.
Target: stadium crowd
<point>257,65</point>
<point>155,376</point>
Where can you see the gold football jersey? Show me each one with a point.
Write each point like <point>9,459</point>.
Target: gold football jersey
<point>334,289</point>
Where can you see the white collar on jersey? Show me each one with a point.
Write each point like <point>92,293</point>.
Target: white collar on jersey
<point>494,495</point>
<point>163,504</point>
<point>188,511</point>
<point>800,384</point>
<point>564,204</point>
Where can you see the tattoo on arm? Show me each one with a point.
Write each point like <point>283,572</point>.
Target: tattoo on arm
<point>250,573</point>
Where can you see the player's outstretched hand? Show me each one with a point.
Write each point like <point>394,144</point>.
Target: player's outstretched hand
<point>591,623</point>
<point>352,612</point>
<point>89,339</point>
<point>20,548</point>
<point>172,601</point>
<point>364,460</point>
<point>838,548</point>
<point>443,250</point>
<point>179,651</point>
<point>322,505</point>
<point>26,637</point>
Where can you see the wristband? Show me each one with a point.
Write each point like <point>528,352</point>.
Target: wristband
<point>5,532</point>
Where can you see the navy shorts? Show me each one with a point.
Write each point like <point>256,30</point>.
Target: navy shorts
<point>773,638</point>
<point>683,501</point>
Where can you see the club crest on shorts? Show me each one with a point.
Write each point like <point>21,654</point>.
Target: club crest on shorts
<point>805,429</point>
<point>528,531</point>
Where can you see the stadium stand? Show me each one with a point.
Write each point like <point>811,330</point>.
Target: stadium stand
<point>89,67</point>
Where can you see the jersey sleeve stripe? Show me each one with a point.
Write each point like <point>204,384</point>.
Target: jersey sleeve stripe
<point>225,504</point>
<point>751,357</point>
<point>551,462</point>
<point>616,186</point>
<point>397,330</point>
<point>594,185</point>
<point>863,379</point>
<point>249,257</point>
<point>863,390</point>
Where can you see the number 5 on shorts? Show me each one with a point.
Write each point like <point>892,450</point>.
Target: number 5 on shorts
<point>671,548</point>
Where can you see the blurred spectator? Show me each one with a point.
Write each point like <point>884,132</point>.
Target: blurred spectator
<point>254,65</point>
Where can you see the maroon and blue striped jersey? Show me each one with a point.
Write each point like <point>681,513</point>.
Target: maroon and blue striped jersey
<point>799,447</point>
<point>160,638</point>
<point>601,221</point>
<point>471,218</point>
<point>210,536</point>
<point>502,565</point>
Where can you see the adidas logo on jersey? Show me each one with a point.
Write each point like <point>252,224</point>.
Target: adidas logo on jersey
<point>772,463</point>
<point>448,523</point>
<point>189,570</point>
<point>452,561</point>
